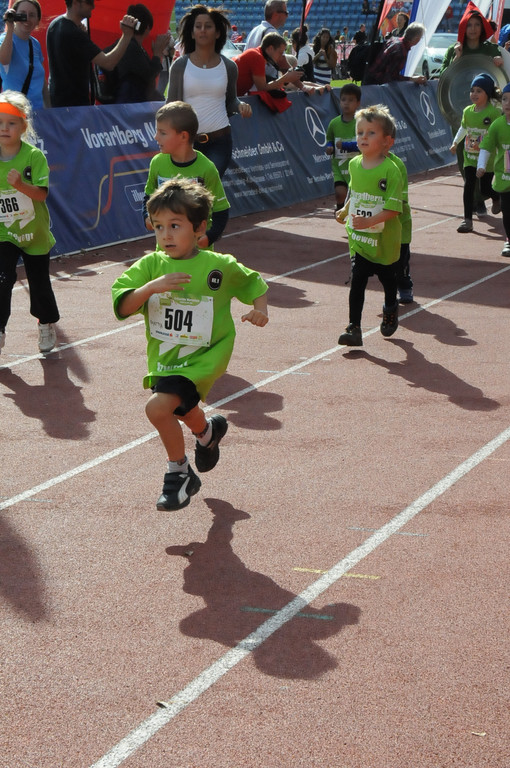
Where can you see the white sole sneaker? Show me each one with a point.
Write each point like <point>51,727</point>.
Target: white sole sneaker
<point>47,337</point>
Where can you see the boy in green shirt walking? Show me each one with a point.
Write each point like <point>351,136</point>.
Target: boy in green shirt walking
<point>176,130</point>
<point>373,224</point>
<point>342,129</point>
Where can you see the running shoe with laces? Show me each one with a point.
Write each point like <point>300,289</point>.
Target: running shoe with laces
<point>178,488</point>
<point>206,456</point>
<point>390,320</point>
<point>506,249</point>
<point>47,337</point>
<point>352,337</point>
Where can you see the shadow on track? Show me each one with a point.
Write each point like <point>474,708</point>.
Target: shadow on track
<point>215,573</point>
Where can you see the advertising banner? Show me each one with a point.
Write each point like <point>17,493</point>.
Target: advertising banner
<point>99,158</point>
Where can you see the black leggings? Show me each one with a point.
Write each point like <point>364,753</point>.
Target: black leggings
<point>42,299</point>
<point>470,186</point>
<point>362,269</point>
<point>505,210</point>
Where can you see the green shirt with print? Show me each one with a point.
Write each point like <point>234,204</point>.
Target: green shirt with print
<point>372,191</point>
<point>405,217</point>
<point>214,276</point>
<point>339,129</point>
<point>477,124</point>
<point>497,142</point>
<point>201,169</point>
<point>23,221</point>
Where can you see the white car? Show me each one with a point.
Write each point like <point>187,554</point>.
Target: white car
<point>433,55</point>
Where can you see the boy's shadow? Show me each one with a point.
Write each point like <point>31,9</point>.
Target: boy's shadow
<point>20,581</point>
<point>441,328</point>
<point>420,373</point>
<point>228,587</point>
<point>253,409</point>
<point>57,403</point>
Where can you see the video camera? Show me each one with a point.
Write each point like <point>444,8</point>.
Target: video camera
<point>11,15</point>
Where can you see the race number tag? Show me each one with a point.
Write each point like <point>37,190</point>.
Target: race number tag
<point>473,141</point>
<point>15,206</point>
<point>181,318</point>
<point>359,206</point>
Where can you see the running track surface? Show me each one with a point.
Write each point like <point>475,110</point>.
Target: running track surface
<point>337,594</point>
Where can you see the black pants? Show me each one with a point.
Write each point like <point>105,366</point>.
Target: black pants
<point>470,187</point>
<point>42,299</point>
<point>404,281</point>
<point>505,210</point>
<point>362,269</point>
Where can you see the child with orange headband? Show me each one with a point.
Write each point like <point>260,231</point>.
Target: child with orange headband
<point>24,218</point>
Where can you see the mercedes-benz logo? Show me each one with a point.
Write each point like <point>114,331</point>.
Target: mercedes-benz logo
<point>315,126</point>
<point>427,108</point>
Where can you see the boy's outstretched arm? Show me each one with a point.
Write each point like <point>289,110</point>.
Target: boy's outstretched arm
<point>258,315</point>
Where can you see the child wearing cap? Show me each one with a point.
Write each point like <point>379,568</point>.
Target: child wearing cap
<point>476,120</point>
<point>497,143</point>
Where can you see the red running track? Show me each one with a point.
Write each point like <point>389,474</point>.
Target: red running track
<point>344,599</point>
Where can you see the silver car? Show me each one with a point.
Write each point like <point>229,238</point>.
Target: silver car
<point>433,55</point>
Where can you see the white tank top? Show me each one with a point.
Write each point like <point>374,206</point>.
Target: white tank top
<point>205,90</point>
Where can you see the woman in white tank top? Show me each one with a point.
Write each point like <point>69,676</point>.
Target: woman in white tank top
<point>207,80</point>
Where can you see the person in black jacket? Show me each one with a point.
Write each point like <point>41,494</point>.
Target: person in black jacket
<point>136,72</point>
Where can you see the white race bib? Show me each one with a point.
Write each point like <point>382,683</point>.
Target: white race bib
<point>181,318</point>
<point>358,206</point>
<point>15,206</point>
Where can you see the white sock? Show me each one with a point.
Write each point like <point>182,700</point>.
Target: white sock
<point>206,438</point>
<point>174,466</point>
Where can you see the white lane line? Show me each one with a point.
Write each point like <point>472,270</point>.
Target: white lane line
<point>128,326</point>
<point>218,403</point>
<point>206,679</point>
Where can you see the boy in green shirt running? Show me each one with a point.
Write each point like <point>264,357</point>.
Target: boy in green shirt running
<point>373,224</point>
<point>176,130</point>
<point>184,294</point>
<point>340,130</point>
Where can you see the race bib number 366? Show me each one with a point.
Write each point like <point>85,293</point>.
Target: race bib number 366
<point>181,318</point>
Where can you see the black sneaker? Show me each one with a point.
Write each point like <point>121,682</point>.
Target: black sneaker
<point>481,209</point>
<point>178,488</point>
<point>390,320</point>
<point>206,456</point>
<point>352,336</point>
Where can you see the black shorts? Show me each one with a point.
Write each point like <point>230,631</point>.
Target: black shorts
<point>341,184</point>
<point>183,388</point>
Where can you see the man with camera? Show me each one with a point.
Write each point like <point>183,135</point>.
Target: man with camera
<point>21,58</point>
<point>71,54</point>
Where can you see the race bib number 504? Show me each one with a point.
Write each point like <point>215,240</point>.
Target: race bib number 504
<point>181,318</point>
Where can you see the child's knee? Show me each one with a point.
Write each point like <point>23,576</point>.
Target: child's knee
<point>161,405</point>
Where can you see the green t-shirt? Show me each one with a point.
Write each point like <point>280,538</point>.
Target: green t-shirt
<point>201,169</point>
<point>216,279</point>
<point>486,49</point>
<point>405,217</point>
<point>477,124</point>
<point>497,140</point>
<point>23,221</point>
<point>345,131</point>
<point>374,190</point>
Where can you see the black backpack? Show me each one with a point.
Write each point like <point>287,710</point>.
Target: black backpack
<point>106,84</point>
<point>375,49</point>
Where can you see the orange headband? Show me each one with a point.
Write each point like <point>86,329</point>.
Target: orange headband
<point>10,109</point>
